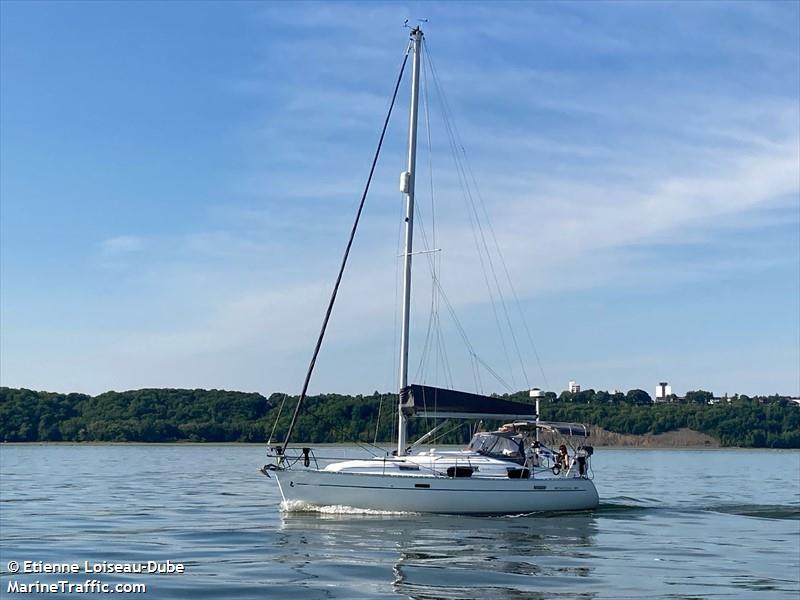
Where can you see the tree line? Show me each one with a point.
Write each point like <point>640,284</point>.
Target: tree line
<point>176,415</point>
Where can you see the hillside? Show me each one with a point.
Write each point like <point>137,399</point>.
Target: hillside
<point>678,438</point>
<point>173,415</point>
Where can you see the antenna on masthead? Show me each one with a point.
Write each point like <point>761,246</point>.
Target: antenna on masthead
<point>405,23</point>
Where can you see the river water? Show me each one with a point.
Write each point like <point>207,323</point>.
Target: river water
<point>672,524</point>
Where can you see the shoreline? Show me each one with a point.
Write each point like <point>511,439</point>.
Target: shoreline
<point>350,445</point>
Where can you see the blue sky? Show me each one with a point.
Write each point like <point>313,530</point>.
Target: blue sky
<point>178,180</point>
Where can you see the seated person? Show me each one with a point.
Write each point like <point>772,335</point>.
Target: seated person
<point>562,458</point>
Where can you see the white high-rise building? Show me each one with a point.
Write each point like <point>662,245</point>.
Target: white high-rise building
<point>663,392</point>
<point>574,388</point>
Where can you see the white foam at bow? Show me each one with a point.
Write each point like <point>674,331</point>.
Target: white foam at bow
<point>336,509</point>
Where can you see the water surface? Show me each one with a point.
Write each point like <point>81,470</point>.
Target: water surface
<point>671,524</point>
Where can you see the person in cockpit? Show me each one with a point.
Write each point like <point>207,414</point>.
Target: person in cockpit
<point>562,458</point>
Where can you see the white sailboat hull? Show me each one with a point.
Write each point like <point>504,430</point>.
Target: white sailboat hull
<point>466,495</point>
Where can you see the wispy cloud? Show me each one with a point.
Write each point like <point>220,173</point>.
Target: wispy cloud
<point>122,244</point>
<point>609,141</point>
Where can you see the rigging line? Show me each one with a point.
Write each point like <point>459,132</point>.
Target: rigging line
<point>472,221</point>
<point>393,426</point>
<point>421,371</point>
<point>508,275</point>
<point>428,250</point>
<point>363,445</point>
<point>443,295</point>
<point>475,376</point>
<point>425,347</point>
<point>461,330</point>
<point>439,436</point>
<point>459,327</point>
<point>446,372</point>
<point>344,260</point>
<point>499,293</point>
<point>378,421</point>
<point>478,374</point>
<point>499,252</point>
<point>423,363</point>
<point>437,261</point>
<point>439,365</point>
<point>383,450</point>
<point>277,418</point>
<point>433,314</point>
<point>500,255</point>
<point>420,222</point>
<point>493,373</point>
<point>457,141</point>
<point>462,177</point>
<point>470,348</point>
<point>424,356</point>
<point>435,281</point>
<point>426,105</point>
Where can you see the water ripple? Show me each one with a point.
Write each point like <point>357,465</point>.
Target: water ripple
<point>658,532</point>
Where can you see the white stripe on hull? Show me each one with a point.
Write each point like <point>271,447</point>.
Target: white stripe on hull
<point>467,495</point>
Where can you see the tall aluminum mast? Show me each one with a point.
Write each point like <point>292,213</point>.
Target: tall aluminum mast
<point>407,186</point>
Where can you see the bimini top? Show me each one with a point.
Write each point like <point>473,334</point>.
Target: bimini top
<point>568,429</point>
<point>432,402</point>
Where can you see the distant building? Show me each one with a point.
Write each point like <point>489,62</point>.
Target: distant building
<point>574,388</point>
<point>663,392</point>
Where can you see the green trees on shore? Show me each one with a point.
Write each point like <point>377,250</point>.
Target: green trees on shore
<point>170,415</point>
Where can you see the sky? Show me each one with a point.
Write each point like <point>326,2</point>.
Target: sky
<point>178,180</point>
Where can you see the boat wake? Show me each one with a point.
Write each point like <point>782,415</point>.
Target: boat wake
<point>298,506</point>
<point>623,505</point>
<point>762,511</point>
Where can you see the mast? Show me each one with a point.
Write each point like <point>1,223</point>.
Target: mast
<point>407,186</point>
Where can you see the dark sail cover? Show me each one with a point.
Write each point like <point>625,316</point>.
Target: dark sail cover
<point>427,401</point>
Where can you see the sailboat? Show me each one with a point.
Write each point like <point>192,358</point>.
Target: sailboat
<point>507,470</point>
